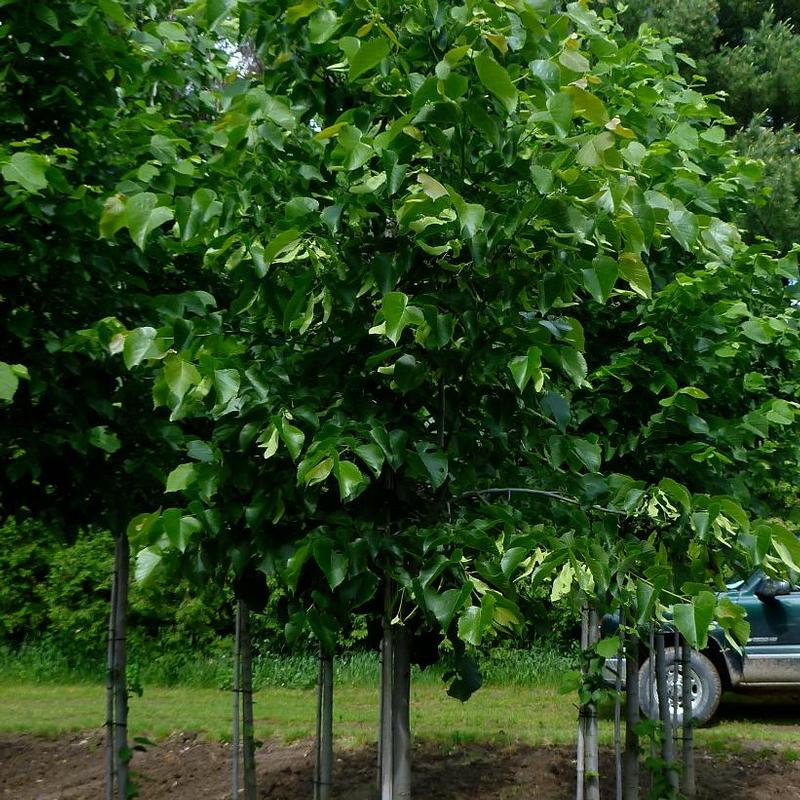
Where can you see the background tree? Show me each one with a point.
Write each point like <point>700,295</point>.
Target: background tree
<point>751,51</point>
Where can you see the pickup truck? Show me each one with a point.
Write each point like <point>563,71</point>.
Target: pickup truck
<point>770,659</point>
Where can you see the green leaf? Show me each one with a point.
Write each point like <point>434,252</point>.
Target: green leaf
<point>301,10</point>
<point>372,456</point>
<point>277,246</point>
<point>394,307</point>
<point>138,344</point>
<point>495,78</point>
<point>435,463</point>
<point>181,477</point>
<point>101,437</point>
<point>633,270</point>
<point>684,228</point>
<point>574,364</point>
<point>319,472</point>
<point>676,491</point>
<point>142,216</point>
<point>27,170</point>
<point>322,26</point>
<point>367,57</point>
<point>588,106</point>
<point>787,546</point>
<point>694,619</point>
<point>226,384</point>
<point>146,562</point>
<point>527,367</point>
<point>600,279</point>
<point>684,136</point>
<point>446,605</point>
<point>195,214</point>
<point>333,564</point>
<point>9,379</point>
<point>588,453</point>
<point>470,629</point>
<point>350,478</point>
<point>562,585</point>
<point>607,647</point>
<point>180,376</point>
<point>574,61</point>
<point>561,107</point>
<point>216,11</point>
<point>292,437</point>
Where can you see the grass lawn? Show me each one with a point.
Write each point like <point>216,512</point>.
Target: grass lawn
<point>536,715</point>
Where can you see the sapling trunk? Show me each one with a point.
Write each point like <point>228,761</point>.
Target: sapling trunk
<point>325,740</point>
<point>664,713</point>
<point>248,735</point>
<point>688,783</point>
<point>385,746</point>
<point>581,744</point>
<point>110,683</point>
<point>592,745</point>
<point>236,692</point>
<point>618,719</point>
<point>630,772</point>
<point>318,739</point>
<point>401,719</point>
<point>121,752</point>
<point>652,700</point>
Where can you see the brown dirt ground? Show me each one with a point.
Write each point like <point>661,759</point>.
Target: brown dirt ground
<point>185,767</point>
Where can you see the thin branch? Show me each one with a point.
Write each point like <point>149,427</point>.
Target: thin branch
<point>561,498</point>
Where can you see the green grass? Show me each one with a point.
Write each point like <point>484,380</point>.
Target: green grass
<point>533,714</point>
<point>43,662</point>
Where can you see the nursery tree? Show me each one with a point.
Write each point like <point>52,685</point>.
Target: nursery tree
<point>453,233</point>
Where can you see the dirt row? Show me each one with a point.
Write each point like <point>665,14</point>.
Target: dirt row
<point>186,767</point>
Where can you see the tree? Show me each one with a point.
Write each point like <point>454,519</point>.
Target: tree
<point>425,218</point>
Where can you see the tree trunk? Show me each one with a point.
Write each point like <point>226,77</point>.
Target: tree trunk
<point>630,789</point>
<point>110,683</point>
<point>237,672</point>
<point>318,739</point>
<point>385,746</point>
<point>323,779</point>
<point>618,720</point>
<point>592,748</point>
<point>249,760</point>
<point>580,755</point>
<point>651,699</point>
<point>688,784</point>
<point>121,751</point>
<point>401,719</point>
<point>665,714</point>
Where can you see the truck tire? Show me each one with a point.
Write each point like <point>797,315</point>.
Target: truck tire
<point>706,687</point>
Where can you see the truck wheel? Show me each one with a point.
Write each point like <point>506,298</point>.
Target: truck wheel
<point>706,687</point>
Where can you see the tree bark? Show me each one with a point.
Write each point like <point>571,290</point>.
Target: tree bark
<point>665,714</point>
<point>236,712</point>
<point>324,777</point>
<point>652,698</point>
<point>580,754</point>
<point>688,783</point>
<point>618,719</point>
<point>385,746</point>
<point>248,736</point>
<point>592,745</point>
<point>630,788</point>
<point>121,752</point>
<point>110,683</point>
<point>401,719</point>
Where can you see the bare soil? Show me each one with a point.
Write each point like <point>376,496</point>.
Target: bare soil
<point>186,767</point>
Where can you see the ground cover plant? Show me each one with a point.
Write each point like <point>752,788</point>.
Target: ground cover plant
<point>438,304</point>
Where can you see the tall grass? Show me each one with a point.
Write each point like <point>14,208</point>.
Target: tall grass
<point>45,662</point>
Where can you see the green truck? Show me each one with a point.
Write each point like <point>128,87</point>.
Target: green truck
<point>770,660</point>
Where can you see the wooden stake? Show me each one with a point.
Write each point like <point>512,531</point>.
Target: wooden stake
<point>688,782</point>
<point>121,754</point>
